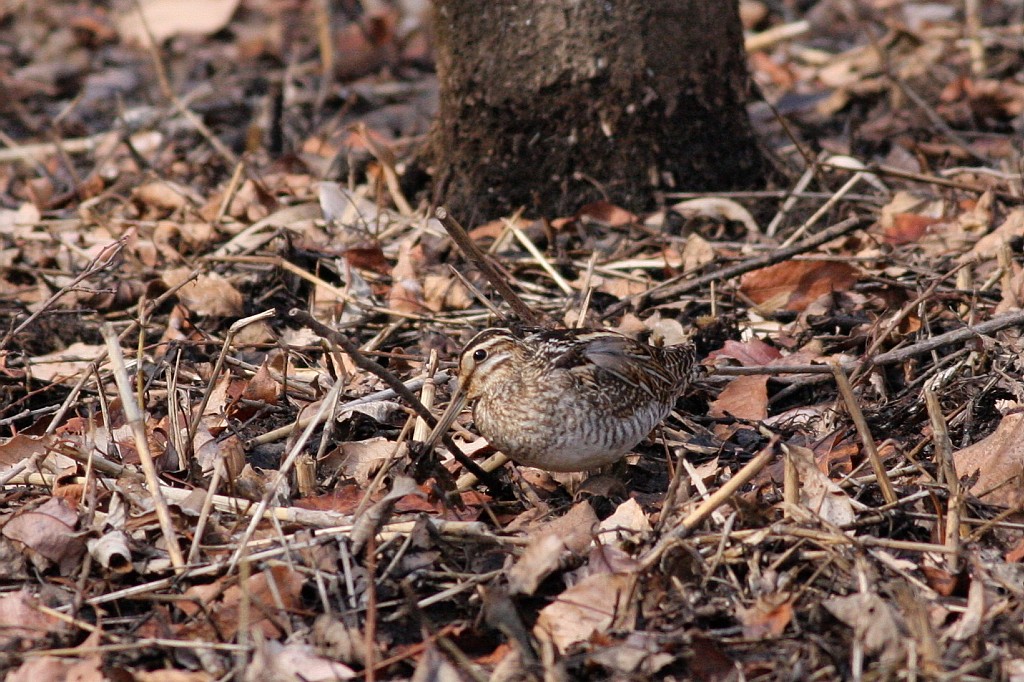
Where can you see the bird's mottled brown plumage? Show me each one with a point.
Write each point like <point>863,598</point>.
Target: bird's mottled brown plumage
<point>568,400</point>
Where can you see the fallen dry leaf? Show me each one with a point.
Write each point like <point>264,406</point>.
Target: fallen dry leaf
<point>745,397</point>
<point>298,662</point>
<point>1011,228</point>
<point>64,365</point>
<point>22,446</point>
<point>606,213</point>
<point>209,294</point>
<point>358,459</point>
<point>870,617</point>
<point>907,228</point>
<point>717,208</point>
<point>628,523</point>
<point>445,292</point>
<point>998,461</point>
<point>817,491</point>
<point>22,623</point>
<point>162,19</point>
<point>549,546</point>
<point>751,353</point>
<point>593,605</point>
<point>48,533</point>
<point>793,285</point>
<point>768,617</point>
<point>163,196</point>
<point>697,253</point>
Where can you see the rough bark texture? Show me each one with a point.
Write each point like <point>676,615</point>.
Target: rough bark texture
<point>554,103</point>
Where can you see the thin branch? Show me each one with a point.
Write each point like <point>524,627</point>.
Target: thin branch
<point>673,288</point>
<point>474,255</point>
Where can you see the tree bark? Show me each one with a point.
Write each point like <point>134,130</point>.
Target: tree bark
<point>555,103</point>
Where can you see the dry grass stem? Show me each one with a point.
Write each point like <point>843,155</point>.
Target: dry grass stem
<point>474,255</point>
<point>867,440</point>
<point>133,416</point>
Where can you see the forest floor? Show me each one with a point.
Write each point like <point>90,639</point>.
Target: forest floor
<point>198,484</point>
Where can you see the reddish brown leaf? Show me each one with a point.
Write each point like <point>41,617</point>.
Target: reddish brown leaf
<point>940,580</point>
<point>708,662</point>
<point>793,285</point>
<point>344,500</point>
<point>754,352</point>
<point>768,617</point>
<point>262,387</point>
<point>368,258</point>
<point>606,213</point>
<point>907,228</point>
<point>22,447</point>
<point>745,397</point>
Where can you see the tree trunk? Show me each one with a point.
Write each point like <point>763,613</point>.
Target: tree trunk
<point>555,103</point>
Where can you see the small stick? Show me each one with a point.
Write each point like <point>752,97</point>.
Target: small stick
<point>888,494</point>
<point>957,336</point>
<point>428,391</point>
<point>370,627</point>
<point>892,172</point>
<point>790,481</point>
<point>491,464</point>
<point>204,514</point>
<point>133,415</point>
<point>711,504</point>
<point>474,255</point>
<point>539,257</point>
<point>944,459</point>
<point>825,208</point>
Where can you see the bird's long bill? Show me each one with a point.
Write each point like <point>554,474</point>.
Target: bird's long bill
<point>458,402</point>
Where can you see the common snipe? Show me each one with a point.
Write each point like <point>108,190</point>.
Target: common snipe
<point>567,400</point>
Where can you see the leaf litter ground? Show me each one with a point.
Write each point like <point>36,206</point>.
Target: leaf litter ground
<point>193,488</point>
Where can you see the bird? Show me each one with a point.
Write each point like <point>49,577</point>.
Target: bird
<point>566,399</point>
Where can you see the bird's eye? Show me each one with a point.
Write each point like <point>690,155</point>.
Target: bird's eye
<point>479,355</point>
